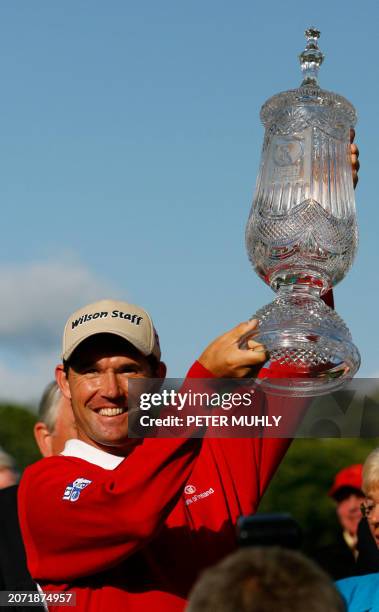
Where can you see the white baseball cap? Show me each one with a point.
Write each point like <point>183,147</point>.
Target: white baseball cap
<point>128,321</point>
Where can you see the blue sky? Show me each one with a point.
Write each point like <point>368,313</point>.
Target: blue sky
<point>129,147</point>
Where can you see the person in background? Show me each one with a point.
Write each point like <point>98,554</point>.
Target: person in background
<point>8,475</point>
<point>56,422</point>
<point>266,579</point>
<point>362,592</point>
<point>54,427</point>
<point>339,558</point>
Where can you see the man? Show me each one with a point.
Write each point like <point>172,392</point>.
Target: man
<point>265,580</point>
<point>8,476</point>
<point>56,422</point>
<point>123,536</point>
<point>339,558</point>
<point>362,592</point>
<point>55,426</point>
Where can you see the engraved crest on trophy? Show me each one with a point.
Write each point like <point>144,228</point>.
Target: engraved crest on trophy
<point>301,235</point>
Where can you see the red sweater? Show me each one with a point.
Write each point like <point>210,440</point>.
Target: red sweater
<point>144,527</point>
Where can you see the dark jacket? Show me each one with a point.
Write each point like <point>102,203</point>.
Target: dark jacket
<point>368,557</point>
<point>337,559</point>
<point>14,574</point>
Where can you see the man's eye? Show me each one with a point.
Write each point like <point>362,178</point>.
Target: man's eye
<point>129,370</point>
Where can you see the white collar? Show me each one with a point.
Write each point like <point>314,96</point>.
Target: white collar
<point>82,450</point>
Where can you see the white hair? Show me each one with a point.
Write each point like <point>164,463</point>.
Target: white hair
<point>48,406</point>
<point>370,476</point>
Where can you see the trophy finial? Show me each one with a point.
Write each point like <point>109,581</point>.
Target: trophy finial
<point>311,58</point>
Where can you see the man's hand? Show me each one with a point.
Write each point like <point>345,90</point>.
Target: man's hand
<point>225,359</point>
<point>354,153</point>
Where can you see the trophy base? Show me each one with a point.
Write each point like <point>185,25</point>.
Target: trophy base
<point>310,346</point>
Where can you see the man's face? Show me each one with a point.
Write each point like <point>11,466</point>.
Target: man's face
<point>52,442</point>
<point>7,478</point>
<point>65,427</point>
<point>372,512</point>
<point>349,513</point>
<point>97,384</point>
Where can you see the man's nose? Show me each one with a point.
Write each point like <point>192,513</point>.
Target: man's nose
<point>110,386</point>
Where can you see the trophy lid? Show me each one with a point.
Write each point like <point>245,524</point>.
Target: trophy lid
<point>309,93</point>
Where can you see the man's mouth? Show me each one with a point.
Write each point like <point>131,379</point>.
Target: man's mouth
<point>110,412</point>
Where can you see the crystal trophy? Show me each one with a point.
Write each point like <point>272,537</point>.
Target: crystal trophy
<point>301,235</point>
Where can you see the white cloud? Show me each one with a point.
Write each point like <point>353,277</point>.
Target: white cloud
<point>24,384</point>
<point>36,298</point>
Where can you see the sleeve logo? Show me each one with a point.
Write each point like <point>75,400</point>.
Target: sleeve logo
<point>73,490</point>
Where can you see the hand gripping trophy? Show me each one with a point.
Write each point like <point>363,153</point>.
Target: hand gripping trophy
<point>301,234</point>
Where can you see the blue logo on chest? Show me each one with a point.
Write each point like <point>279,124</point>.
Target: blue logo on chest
<point>72,491</point>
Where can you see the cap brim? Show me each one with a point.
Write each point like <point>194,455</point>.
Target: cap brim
<point>66,356</point>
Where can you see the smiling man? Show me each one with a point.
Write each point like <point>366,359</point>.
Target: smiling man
<point>110,519</point>
<point>130,524</point>
<point>96,380</point>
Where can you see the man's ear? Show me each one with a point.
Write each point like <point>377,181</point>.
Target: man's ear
<point>62,381</point>
<point>159,376</point>
<point>161,370</point>
<point>43,439</point>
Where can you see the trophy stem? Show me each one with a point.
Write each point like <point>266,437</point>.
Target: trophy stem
<point>299,280</point>
<point>309,339</point>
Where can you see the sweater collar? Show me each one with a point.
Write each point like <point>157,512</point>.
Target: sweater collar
<point>82,450</point>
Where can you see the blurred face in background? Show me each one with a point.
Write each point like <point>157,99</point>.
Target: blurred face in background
<point>349,512</point>
<point>371,511</point>
<point>65,427</point>
<point>7,477</point>
<point>52,442</point>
